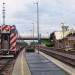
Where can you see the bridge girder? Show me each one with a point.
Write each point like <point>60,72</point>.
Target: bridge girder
<point>31,38</point>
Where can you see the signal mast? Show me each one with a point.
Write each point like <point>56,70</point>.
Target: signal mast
<point>4,13</point>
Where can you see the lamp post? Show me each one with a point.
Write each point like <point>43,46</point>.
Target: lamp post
<point>33,33</point>
<point>47,34</point>
<point>63,35</point>
<point>38,25</point>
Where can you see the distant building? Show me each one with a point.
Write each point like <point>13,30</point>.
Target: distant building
<point>64,38</point>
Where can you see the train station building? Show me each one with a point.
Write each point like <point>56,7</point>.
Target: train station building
<point>64,38</point>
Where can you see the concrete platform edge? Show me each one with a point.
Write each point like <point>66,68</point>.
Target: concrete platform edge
<point>65,67</point>
<point>21,66</point>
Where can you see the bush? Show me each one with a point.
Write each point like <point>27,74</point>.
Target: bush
<point>50,45</point>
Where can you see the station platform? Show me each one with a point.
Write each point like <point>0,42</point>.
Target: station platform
<point>39,65</point>
<point>32,63</point>
<point>21,66</point>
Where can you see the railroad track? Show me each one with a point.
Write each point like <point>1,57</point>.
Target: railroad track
<point>62,56</point>
<point>6,66</point>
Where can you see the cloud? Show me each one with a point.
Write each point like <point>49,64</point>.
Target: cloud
<point>51,13</point>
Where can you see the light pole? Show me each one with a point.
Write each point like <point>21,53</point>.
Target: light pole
<point>33,33</point>
<point>63,35</point>
<point>40,39</point>
<point>3,13</point>
<point>47,34</point>
<point>38,25</point>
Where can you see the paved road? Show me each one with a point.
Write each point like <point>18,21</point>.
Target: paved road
<point>39,65</point>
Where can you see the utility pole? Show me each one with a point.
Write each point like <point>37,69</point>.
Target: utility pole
<point>3,13</point>
<point>38,25</point>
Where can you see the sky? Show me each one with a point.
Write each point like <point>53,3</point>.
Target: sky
<point>52,13</point>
